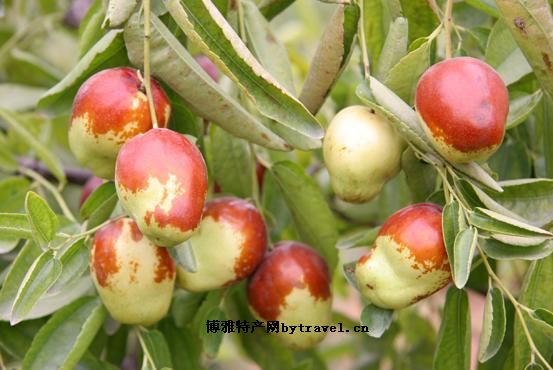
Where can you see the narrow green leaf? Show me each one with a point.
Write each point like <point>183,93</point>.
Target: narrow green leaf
<point>155,348</point>
<point>99,205</point>
<point>501,251</point>
<point>330,57</point>
<point>463,250</point>
<point>453,347</point>
<point>272,8</point>
<point>422,19</point>
<point>476,172</point>
<point>15,225</point>
<point>493,325</point>
<point>395,47</point>
<point>41,217</point>
<point>521,107</point>
<point>375,25</point>
<point>42,274</point>
<point>264,44</point>
<point>63,340</point>
<point>487,6</point>
<point>536,293</point>
<point>232,163</point>
<point>520,241</point>
<point>212,342</point>
<point>184,306</point>
<point>13,191</point>
<point>312,216</point>
<point>377,319</point>
<point>13,340</point>
<point>90,30</point>
<point>453,223</point>
<point>183,254</point>
<point>53,164</point>
<point>207,99</point>
<point>17,97</point>
<point>420,176</point>
<point>363,237</point>
<point>531,24</point>
<point>75,260</point>
<point>544,319</point>
<point>204,25</point>
<point>107,52</point>
<point>495,222</point>
<point>118,12</point>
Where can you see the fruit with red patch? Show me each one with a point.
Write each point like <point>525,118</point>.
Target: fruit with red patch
<point>362,152</point>
<point>110,108</point>
<point>90,185</point>
<point>463,105</point>
<point>408,261</point>
<point>161,180</point>
<point>292,285</point>
<point>228,246</point>
<point>134,277</point>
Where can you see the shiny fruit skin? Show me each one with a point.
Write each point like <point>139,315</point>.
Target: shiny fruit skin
<point>463,104</point>
<point>109,109</point>
<point>292,285</point>
<point>161,180</point>
<point>228,247</point>
<point>408,261</point>
<point>90,185</point>
<point>134,278</point>
<point>362,151</point>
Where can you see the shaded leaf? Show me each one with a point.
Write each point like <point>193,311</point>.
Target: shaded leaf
<point>41,217</point>
<point>377,319</point>
<point>156,349</point>
<point>493,325</point>
<point>501,251</point>
<point>464,247</point>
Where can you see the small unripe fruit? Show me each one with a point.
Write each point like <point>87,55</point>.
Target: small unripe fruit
<point>228,246</point>
<point>463,105</point>
<point>109,109</point>
<point>91,184</point>
<point>134,278</point>
<point>362,151</point>
<point>408,261</point>
<point>292,285</point>
<point>161,180</point>
<point>208,66</point>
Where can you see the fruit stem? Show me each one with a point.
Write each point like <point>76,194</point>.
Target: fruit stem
<point>51,188</point>
<point>147,78</point>
<point>363,40</point>
<point>518,309</point>
<point>447,27</point>
<point>253,175</point>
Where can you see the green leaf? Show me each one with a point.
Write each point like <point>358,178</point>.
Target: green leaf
<point>422,20</point>
<point>15,226</point>
<point>312,216</point>
<point>544,319</point>
<point>465,244</point>
<point>184,345</point>
<point>99,206</point>
<point>209,310</point>
<point>156,349</point>
<point>494,222</point>
<point>363,237</point>
<point>531,25</point>
<point>183,254</point>
<point>264,44</point>
<point>272,8</point>
<point>62,341</point>
<point>53,164</point>
<point>521,107</point>
<point>207,99</point>
<point>331,56</point>
<point>17,97</point>
<point>232,163</point>
<point>13,191</point>
<point>118,12</point>
<point>453,223</point>
<point>75,260</point>
<point>17,271</point>
<point>42,274</point>
<point>536,293</point>
<point>493,325</point>
<point>377,319</point>
<point>107,52</point>
<point>203,24</point>
<point>375,25</point>
<point>403,77</point>
<point>395,47</point>
<point>13,340</point>
<point>184,306</point>
<point>41,217</point>
<point>90,29</point>
<point>504,55</point>
<point>532,199</point>
<point>420,176</point>
<point>501,251</point>
<point>453,347</point>
<point>212,342</point>
<point>487,6</point>
<point>474,171</point>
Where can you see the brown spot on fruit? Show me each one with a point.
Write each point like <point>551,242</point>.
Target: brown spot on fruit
<point>369,286</point>
<point>290,264</point>
<point>547,61</point>
<point>104,255</point>
<point>165,268</point>
<point>419,229</point>
<point>245,219</point>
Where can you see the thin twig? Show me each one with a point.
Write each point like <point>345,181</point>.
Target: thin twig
<point>147,77</point>
<point>52,189</point>
<point>363,40</point>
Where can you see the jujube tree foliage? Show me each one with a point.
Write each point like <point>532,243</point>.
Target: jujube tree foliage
<point>176,176</point>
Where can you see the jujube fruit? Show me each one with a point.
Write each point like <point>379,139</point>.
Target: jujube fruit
<point>292,285</point>
<point>362,151</point>
<point>408,261</point>
<point>110,108</point>
<point>463,105</point>
<point>134,277</point>
<point>228,246</point>
<point>161,180</point>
